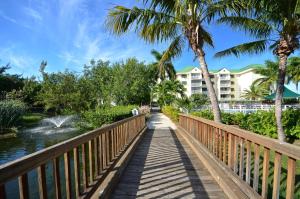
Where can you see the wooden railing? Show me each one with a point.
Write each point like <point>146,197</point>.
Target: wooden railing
<point>77,165</point>
<point>270,167</point>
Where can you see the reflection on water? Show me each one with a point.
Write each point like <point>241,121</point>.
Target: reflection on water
<point>27,142</point>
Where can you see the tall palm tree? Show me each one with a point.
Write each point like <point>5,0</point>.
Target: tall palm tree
<point>177,21</point>
<point>255,92</point>
<point>293,70</point>
<point>164,68</point>
<point>269,74</point>
<point>275,24</point>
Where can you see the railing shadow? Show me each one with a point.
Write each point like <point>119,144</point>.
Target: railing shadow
<point>159,168</point>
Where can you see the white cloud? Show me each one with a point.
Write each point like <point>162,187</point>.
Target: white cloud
<point>33,14</point>
<point>4,16</point>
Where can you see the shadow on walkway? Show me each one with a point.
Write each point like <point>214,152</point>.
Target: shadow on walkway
<point>164,167</point>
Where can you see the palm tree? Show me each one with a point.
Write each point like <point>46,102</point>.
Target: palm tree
<point>164,68</point>
<point>275,24</point>
<point>268,74</point>
<point>255,92</point>
<point>177,21</point>
<point>167,91</point>
<point>293,70</point>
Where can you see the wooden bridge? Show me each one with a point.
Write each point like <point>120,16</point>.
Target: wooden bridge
<point>195,158</point>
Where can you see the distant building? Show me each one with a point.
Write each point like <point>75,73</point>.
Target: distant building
<point>229,84</point>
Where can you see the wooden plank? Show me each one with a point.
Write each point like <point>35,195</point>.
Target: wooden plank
<point>264,192</point>
<point>220,144</point>
<point>22,165</point>
<point>90,152</point>
<point>235,154</point>
<point>273,144</point>
<point>23,186</point>
<point>96,168</point>
<point>100,155</point>
<point>248,162</point>
<point>277,172</point>
<point>76,171</point>
<point>242,159</point>
<point>84,167</point>
<point>290,181</point>
<point>256,167</point>
<point>2,191</point>
<point>68,175</point>
<point>231,151</point>
<point>56,178</point>
<point>225,145</point>
<point>42,182</point>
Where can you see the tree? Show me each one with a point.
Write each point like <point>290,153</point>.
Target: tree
<point>198,99</point>
<point>168,91</point>
<point>174,20</point>
<point>163,68</point>
<point>269,74</point>
<point>255,92</point>
<point>293,70</point>
<point>275,25</point>
<point>9,82</point>
<point>131,82</point>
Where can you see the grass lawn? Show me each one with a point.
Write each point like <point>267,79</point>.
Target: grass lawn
<point>31,119</point>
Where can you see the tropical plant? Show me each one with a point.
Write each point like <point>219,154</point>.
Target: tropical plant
<point>293,70</point>
<point>199,99</point>
<point>167,91</point>
<point>269,74</point>
<point>174,20</point>
<point>10,113</point>
<point>255,92</point>
<point>164,67</point>
<point>275,24</point>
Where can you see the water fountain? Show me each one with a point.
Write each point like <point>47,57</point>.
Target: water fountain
<point>57,124</point>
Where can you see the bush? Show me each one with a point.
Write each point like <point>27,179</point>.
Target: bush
<point>171,112</point>
<point>261,122</point>
<point>96,118</point>
<point>10,113</point>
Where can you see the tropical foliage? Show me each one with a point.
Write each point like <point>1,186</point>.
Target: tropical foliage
<point>168,91</point>
<point>255,92</point>
<point>164,68</point>
<point>10,113</point>
<point>275,25</point>
<point>178,22</point>
<point>261,122</point>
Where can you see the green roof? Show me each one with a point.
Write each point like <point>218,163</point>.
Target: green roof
<point>186,69</point>
<point>252,66</point>
<point>287,94</point>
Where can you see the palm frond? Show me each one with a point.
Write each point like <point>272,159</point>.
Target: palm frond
<point>255,27</point>
<point>249,48</point>
<point>174,50</point>
<point>120,19</point>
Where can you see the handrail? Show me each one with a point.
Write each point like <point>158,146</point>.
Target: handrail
<point>235,147</point>
<point>104,145</point>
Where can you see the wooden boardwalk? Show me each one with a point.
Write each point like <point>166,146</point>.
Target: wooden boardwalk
<point>163,166</point>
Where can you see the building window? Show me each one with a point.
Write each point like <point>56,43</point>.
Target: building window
<point>204,89</point>
<point>232,82</point>
<point>184,76</point>
<point>232,96</point>
<point>184,82</point>
<point>196,75</point>
<point>211,76</point>
<point>231,76</point>
<point>232,89</point>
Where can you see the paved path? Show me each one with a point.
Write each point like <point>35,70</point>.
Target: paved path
<point>163,166</point>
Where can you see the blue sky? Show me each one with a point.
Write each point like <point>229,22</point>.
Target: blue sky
<point>68,33</point>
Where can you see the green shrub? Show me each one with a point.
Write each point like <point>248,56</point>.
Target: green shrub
<point>96,118</point>
<point>171,112</point>
<point>10,113</point>
<point>261,122</point>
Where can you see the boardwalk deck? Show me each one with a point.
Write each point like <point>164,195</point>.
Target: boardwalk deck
<point>164,166</point>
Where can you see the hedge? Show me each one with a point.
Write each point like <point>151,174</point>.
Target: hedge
<point>96,118</point>
<point>261,122</point>
<point>171,112</point>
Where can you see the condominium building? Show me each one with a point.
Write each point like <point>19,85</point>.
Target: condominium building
<point>229,84</point>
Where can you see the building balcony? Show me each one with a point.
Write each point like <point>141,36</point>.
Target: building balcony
<point>225,92</point>
<point>196,76</point>
<point>225,85</point>
<point>196,84</point>
<point>225,77</point>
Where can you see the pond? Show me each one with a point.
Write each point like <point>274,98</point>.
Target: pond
<point>48,132</point>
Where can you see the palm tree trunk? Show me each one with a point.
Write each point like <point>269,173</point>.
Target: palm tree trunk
<point>279,95</point>
<point>210,88</point>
